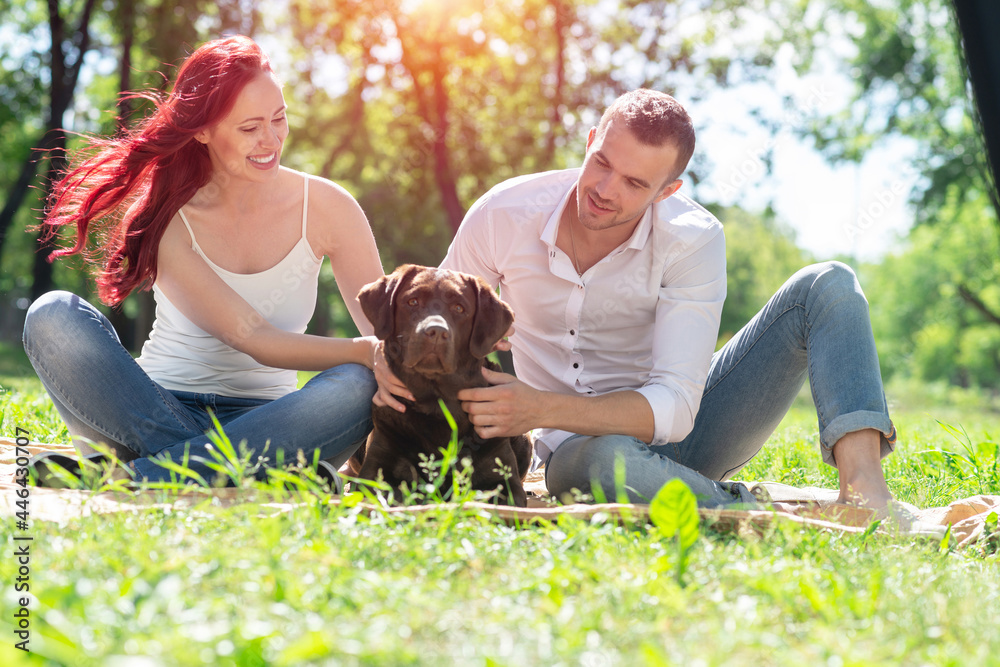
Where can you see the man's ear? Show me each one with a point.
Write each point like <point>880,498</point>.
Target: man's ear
<point>378,301</point>
<point>668,190</point>
<point>492,320</point>
<point>591,136</point>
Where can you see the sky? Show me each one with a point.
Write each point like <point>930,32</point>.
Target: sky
<point>858,210</point>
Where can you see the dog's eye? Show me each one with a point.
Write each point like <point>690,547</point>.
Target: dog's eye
<point>458,308</point>
<point>412,302</point>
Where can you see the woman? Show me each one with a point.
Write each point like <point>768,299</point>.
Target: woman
<point>195,203</point>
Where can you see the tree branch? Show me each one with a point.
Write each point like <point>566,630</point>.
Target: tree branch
<point>977,303</point>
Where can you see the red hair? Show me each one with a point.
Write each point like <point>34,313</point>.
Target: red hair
<point>131,186</point>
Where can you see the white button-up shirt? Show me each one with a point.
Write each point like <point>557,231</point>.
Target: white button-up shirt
<point>644,318</point>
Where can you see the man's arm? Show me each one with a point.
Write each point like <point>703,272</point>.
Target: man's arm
<point>663,409</point>
<point>510,407</point>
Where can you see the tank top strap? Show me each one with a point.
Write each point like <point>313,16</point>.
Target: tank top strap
<point>305,203</point>
<point>194,242</point>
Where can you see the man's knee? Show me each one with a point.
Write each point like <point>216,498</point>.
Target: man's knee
<point>590,465</point>
<point>827,282</point>
<point>830,275</point>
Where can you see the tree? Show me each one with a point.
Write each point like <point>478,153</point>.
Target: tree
<point>760,256</point>
<point>906,62</point>
<point>68,46</point>
<point>75,28</point>
<point>441,102</point>
<point>922,319</point>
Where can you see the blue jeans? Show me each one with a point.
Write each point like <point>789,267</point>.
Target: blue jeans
<point>103,395</point>
<point>816,325</point>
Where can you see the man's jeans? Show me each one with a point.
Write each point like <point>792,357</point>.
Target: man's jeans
<point>103,395</point>
<point>817,324</point>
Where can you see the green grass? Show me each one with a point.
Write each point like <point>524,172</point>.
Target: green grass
<point>314,584</point>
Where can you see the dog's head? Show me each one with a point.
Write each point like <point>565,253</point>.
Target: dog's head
<point>432,320</point>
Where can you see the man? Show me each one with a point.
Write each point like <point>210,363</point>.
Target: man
<point>617,283</point>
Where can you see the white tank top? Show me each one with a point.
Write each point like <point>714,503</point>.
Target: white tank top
<point>180,356</point>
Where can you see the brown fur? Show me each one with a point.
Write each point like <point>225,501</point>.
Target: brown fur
<point>438,327</point>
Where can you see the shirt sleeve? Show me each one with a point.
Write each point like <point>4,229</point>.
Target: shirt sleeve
<point>473,250</point>
<point>686,329</point>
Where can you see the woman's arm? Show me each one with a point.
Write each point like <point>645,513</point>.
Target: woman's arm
<point>339,229</point>
<point>205,299</point>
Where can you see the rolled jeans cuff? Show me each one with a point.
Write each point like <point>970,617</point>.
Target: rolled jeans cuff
<point>857,421</point>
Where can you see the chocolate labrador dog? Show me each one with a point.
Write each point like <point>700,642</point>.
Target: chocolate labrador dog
<point>438,327</point>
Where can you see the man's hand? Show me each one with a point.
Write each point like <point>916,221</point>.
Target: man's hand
<point>507,408</point>
<point>388,383</point>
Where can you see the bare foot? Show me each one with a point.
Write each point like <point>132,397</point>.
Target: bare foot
<point>859,464</point>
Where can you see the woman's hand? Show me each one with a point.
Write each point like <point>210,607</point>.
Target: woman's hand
<point>388,383</point>
<point>369,350</point>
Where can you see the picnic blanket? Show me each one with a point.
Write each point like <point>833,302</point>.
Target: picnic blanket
<point>807,507</point>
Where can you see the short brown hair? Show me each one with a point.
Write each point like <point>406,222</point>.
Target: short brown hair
<point>654,118</point>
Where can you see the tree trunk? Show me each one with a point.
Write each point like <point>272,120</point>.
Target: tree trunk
<point>556,121</point>
<point>17,194</point>
<point>64,79</point>
<point>435,114</point>
<point>126,10</point>
<point>443,173</point>
<point>130,330</point>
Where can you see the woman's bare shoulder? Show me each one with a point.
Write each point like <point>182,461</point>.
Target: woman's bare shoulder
<point>327,192</point>
<point>176,234</point>
<point>335,217</point>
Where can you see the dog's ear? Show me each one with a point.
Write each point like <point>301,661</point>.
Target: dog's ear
<point>378,300</point>
<point>492,320</point>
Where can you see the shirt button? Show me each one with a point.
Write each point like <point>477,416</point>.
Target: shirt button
<point>572,332</point>
<point>576,365</point>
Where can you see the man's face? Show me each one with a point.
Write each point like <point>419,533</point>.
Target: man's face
<point>622,177</point>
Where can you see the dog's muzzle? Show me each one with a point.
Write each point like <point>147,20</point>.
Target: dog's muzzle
<point>434,327</point>
<point>431,348</point>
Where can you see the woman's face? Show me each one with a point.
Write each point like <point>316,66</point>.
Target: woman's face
<point>247,143</point>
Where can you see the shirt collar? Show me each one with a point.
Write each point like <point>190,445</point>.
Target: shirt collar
<point>636,242</point>
<point>551,228</point>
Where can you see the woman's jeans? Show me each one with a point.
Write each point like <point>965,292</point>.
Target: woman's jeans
<point>817,324</point>
<point>104,396</point>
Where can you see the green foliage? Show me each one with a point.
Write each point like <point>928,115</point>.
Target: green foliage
<point>412,105</point>
<point>760,256</point>
<point>935,301</point>
<point>674,512</point>
<point>286,577</point>
<point>906,63</point>
<point>921,298</point>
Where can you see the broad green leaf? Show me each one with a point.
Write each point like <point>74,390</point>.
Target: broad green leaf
<point>674,511</point>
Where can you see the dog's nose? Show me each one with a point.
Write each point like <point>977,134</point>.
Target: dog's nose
<point>434,326</point>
